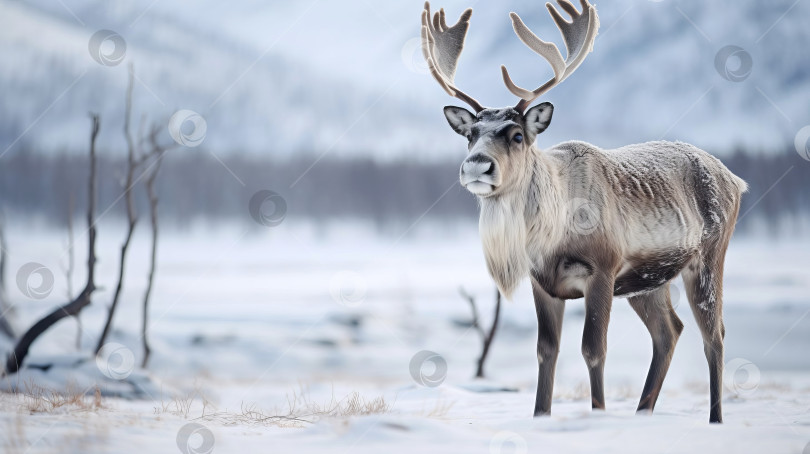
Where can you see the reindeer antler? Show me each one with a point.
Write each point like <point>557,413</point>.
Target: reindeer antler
<point>579,35</point>
<point>442,46</point>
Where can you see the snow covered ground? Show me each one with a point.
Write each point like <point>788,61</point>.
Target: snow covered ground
<point>246,318</point>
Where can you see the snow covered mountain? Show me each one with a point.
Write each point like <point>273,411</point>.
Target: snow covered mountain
<point>279,78</point>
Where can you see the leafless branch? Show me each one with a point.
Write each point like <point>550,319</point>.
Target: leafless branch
<point>474,308</point>
<point>17,356</point>
<point>486,335</point>
<point>156,152</point>
<point>132,164</point>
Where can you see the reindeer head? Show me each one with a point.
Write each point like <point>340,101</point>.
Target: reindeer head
<point>500,139</point>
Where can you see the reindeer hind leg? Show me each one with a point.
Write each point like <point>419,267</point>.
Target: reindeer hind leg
<point>656,311</point>
<point>703,281</point>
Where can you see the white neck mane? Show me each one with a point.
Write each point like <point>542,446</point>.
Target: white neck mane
<point>527,215</point>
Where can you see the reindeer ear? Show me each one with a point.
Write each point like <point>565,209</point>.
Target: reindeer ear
<point>460,119</point>
<point>538,118</point>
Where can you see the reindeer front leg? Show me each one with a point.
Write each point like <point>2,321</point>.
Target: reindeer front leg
<point>549,327</point>
<point>598,300</point>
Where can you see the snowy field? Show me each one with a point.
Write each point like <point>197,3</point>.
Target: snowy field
<point>247,322</point>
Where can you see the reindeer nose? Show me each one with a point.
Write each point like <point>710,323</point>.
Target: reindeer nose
<point>476,166</point>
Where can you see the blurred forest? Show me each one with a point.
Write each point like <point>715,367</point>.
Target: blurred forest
<point>199,186</point>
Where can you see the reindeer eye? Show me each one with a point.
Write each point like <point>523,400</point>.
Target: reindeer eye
<point>518,138</point>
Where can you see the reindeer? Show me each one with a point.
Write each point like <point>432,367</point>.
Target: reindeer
<point>585,222</point>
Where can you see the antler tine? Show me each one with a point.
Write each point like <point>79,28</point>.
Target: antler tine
<point>442,46</point>
<point>579,35</point>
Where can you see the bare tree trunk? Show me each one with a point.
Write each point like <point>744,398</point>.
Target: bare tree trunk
<point>150,188</point>
<point>131,218</point>
<point>157,152</point>
<point>16,357</point>
<point>488,339</point>
<point>486,335</point>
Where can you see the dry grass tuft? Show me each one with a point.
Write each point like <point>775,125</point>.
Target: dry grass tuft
<point>39,399</point>
<point>181,406</point>
<point>300,410</point>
